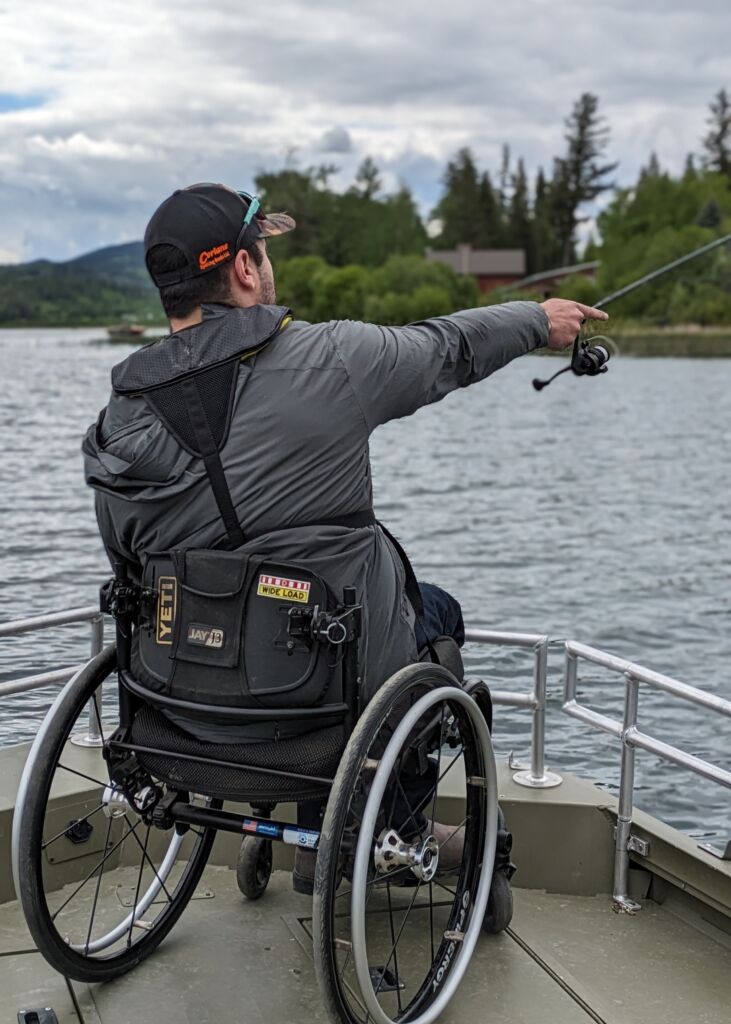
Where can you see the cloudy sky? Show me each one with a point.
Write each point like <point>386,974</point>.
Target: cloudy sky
<point>105,107</point>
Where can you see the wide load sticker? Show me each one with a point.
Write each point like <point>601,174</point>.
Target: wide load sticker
<point>283,589</point>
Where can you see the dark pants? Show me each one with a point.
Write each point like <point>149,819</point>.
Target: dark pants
<point>442,617</point>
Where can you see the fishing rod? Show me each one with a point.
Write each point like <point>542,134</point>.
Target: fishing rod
<point>589,360</point>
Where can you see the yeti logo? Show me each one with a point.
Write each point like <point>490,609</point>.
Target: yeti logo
<point>166,601</point>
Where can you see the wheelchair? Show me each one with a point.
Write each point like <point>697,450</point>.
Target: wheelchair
<point>393,932</point>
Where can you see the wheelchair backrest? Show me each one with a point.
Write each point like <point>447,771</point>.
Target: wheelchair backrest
<point>227,629</point>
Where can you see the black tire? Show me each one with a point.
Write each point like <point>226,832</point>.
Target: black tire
<point>43,764</point>
<point>499,911</point>
<point>254,866</point>
<point>347,799</point>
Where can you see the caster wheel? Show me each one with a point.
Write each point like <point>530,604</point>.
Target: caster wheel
<point>499,911</point>
<point>254,866</point>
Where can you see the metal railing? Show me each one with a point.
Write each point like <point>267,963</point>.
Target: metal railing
<point>17,627</point>
<point>536,776</point>
<point>632,739</point>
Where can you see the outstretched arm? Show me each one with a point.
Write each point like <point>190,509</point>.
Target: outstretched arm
<point>395,370</point>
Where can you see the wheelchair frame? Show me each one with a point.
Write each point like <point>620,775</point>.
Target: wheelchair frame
<point>357,800</point>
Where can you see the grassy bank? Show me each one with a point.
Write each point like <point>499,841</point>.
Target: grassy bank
<point>686,342</point>
<point>683,340</point>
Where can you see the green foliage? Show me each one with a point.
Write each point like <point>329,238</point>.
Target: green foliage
<point>660,219</point>
<point>110,285</point>
<point>717,143</point>
<point>359,254</point>
<point>296,282</point>
<point>355,227</point>
<point>581,289</point>
<point>339,293</point>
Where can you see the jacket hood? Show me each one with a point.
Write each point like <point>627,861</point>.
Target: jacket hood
<point>129,453</point>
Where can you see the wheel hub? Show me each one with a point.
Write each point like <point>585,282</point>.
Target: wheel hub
<point>115,802</point>
<point>391,853</point>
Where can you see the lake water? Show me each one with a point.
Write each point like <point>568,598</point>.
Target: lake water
<point>597,510</point>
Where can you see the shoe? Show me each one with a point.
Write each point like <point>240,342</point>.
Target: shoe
<point>451,846</point>
<point>303,874</point>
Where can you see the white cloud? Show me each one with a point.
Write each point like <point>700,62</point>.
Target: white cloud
<point>140,97</point>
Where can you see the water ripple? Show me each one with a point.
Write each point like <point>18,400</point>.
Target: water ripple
<point>598,510</point>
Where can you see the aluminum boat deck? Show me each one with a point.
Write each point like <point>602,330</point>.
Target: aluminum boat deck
<point>568,957</point>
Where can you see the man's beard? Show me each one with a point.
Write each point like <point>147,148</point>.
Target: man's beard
<point>268,294</point>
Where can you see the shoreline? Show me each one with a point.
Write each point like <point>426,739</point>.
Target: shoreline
<point>690,341</point>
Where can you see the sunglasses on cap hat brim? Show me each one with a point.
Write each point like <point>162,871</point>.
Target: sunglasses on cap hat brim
<point>258,224</point>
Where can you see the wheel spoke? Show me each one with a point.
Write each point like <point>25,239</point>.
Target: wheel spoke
<point>105,858</point>
<point>137,889</point>
<point>395,957</point>
<point>451,765</point>
<point>439,765</point>
<point>65,830</point>
<point>96,892</point>
<point>98,713</point>
<point>412,813</point>
<point>146,856</point>
<point>400,932</point>
<point>81,775</point>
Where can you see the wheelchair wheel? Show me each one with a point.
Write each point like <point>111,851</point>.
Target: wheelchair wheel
<point>254,866</point>
<point>88,921</point>
<point>393,941</point>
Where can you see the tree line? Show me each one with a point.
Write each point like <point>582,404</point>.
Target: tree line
<point>359,254</point>
<point>329,265</point>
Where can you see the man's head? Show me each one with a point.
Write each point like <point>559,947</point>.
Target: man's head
<point>207,243</point>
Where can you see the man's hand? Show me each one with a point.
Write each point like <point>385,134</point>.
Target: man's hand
<point>565,318</point>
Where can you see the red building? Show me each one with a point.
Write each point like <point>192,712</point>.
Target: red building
<point>490,267</point>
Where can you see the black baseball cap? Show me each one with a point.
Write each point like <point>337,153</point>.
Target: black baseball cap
<point>209,223</point>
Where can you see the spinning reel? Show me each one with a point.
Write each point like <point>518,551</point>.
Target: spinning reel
<point>589,359</point>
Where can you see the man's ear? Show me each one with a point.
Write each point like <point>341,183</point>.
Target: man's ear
<point>244,270</point>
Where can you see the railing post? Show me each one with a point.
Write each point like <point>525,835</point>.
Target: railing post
<point>536,777</point>
<point>93,735</point>
<point>620,894</point>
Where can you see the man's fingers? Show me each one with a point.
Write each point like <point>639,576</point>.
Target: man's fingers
<point>591,313</point>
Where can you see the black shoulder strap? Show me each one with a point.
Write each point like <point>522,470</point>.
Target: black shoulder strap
<point>208,450</point>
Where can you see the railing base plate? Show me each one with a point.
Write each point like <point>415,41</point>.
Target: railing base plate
<point>85,740</point>
<point>546,781</point>
<point>624,905</point>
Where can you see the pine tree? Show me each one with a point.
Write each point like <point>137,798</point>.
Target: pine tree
<point>505,182</point>
<point>710,215</point>
<point>653,167</point>
<point>538,256</point>
<point>717,142</point>
<point>690,173</point>
<point>458,208</point>
<point>579,176</point>
<point>519,212</point>
<point>367,179</point>
<point>491,234</point>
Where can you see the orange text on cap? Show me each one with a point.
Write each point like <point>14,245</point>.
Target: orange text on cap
<point>210,257</point>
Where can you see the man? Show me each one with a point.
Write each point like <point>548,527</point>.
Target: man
<point>295,459</point>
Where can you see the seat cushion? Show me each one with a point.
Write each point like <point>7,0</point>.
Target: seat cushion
<point>315,753</point>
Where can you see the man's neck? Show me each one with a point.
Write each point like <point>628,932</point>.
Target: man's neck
<point>180,323</point>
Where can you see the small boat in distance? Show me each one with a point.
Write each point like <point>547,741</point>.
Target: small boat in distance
<point>125,332</point>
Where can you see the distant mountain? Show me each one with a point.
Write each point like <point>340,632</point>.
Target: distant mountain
<point>103,286</point>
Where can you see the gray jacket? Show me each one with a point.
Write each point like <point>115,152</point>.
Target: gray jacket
<point>297,451</point>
